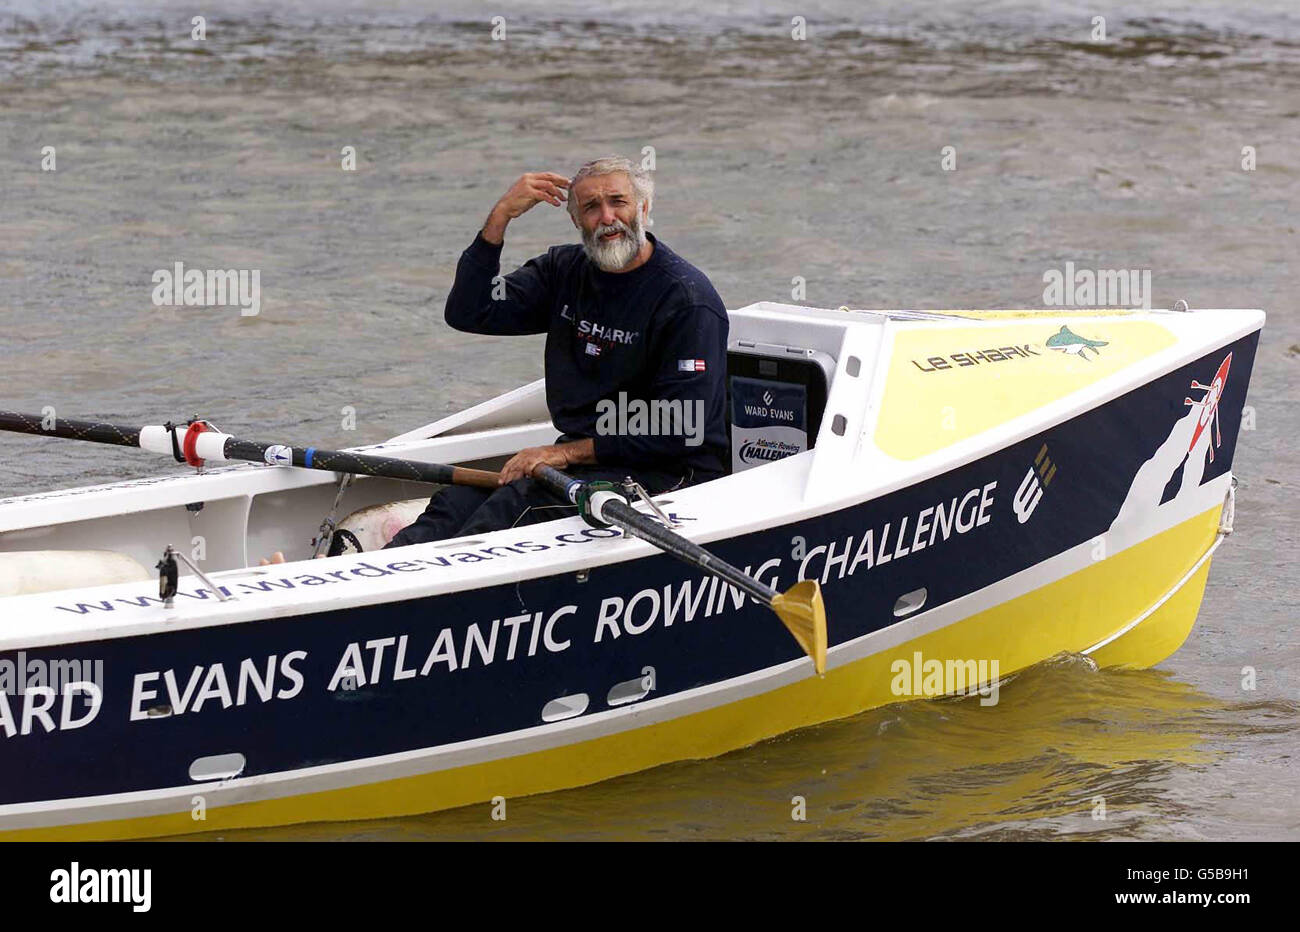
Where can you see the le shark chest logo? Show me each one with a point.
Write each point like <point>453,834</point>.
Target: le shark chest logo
<point>598,336</point>
<point>1070,343</point>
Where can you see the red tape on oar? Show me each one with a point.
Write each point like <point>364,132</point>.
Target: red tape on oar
<point>191,439</point>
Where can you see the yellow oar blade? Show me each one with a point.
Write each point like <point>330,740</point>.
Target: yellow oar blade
<point>800,608</point>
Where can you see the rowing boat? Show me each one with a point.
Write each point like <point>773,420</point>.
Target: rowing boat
<point>975,492</point>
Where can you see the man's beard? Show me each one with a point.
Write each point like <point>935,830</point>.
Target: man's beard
<point>613,256</point>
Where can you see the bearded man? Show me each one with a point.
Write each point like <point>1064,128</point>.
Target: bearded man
<point>630,326</point>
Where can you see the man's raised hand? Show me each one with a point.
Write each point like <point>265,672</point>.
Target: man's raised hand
<point>531,189</point>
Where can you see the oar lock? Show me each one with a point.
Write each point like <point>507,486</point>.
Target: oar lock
<point>169,577</point>
<point>183,450</point>
<point>592,494</point>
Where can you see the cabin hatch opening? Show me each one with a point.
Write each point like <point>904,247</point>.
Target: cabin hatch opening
<point>776,396</point>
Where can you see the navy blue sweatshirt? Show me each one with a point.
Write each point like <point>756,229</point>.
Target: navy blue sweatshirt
<point>658,332</point>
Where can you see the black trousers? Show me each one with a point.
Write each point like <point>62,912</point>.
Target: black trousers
<point>459,510</point>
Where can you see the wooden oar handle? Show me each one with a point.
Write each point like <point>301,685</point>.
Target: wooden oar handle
<point>481,478</point>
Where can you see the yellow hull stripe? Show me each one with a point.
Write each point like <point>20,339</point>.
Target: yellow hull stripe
<point>1069,615</point>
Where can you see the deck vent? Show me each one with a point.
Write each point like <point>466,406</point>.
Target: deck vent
<point>909,602</point>
<point>853,366</point>
<point>217,767</point>
<point>838,425</point>
<point>557,710</point>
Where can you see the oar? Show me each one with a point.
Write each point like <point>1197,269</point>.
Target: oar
<point>197,442</point>
<point>800,607</point>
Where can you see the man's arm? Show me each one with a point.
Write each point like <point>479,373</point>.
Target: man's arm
<point>559,455</point>
<point>480,302</point>
<point>530,190</point>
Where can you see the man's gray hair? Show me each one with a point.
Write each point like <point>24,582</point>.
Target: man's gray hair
<point>643,183</point>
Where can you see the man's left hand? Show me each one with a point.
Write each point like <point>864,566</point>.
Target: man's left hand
<point>558,455</point>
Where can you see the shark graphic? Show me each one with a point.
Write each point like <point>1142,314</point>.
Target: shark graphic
<point>1068,342</point>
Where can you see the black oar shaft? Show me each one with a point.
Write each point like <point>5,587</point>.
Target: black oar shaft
<point>651,531</point>
<point>253,451</point>
<point>363,464</point>
<point>67,428</point>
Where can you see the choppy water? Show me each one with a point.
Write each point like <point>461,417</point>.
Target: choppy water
<point>775,158</point>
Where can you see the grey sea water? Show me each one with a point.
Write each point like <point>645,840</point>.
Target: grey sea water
<point>776,158</point>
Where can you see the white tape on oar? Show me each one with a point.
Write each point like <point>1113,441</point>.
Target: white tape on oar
<point>157,439</point>
<point>209,445</point>
<point>598,502</point>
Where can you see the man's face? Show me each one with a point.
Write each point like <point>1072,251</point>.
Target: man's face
<point>612,224</point>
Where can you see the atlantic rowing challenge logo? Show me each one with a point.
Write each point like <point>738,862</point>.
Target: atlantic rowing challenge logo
<point>762,450</point>
<point>1070,343</point>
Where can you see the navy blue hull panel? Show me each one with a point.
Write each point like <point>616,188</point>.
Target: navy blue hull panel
<point>1096,456</point>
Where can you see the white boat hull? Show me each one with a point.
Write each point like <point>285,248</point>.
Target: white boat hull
<point>551,656</point>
